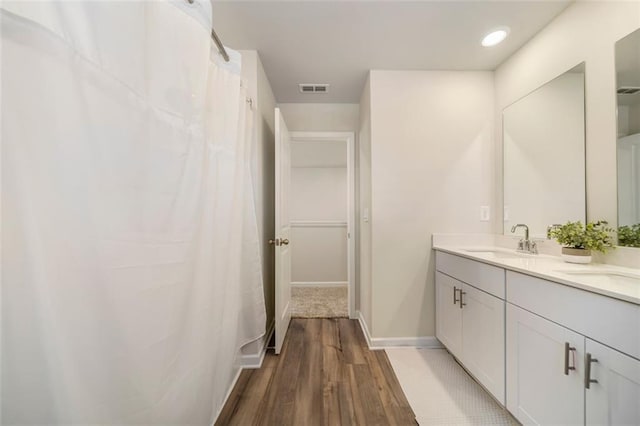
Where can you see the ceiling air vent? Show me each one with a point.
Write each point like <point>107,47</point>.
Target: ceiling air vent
<point>628,90</point>
<point>313,88</point>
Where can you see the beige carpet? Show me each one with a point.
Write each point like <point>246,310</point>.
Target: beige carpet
<point>319,302</point>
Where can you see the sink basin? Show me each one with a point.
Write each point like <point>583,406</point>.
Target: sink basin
<point>497,254</point>
<point>602,275</point>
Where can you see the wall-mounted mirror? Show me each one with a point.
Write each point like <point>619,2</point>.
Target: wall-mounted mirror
<point>628,94</point>
<point>544,155</point>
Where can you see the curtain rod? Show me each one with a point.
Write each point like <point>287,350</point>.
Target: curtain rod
<point>218,43</point>
<point>216,39</point>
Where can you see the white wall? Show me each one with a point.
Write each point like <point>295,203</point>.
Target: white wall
<point>363,296</point>
<point>263,163</point>
<point>629,180</point>
<point>585,31</point>
<point>321,117</point>
<point>319,224</point>
<point>623,121</point>
<point>634,119</point>
<point>266,172</point>
<point>319,255</point>
<point>266,158</point>
<point>319,194</point>
<point>432,162</point>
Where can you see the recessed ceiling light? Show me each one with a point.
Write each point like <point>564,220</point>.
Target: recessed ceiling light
<point>495,36</point>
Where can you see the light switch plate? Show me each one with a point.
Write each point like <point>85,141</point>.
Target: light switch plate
<point>485,213</point>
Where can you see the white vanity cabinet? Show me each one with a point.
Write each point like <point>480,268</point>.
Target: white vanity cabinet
<point>483,339</point>
<point>470,317</point>
<point>544,370</point>
<point>448,313</point>
<point>557,371</point>
<point>614,399</point>
<point>552,352</point>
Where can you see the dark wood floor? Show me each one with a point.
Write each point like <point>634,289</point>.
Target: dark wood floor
<point>325,375</point>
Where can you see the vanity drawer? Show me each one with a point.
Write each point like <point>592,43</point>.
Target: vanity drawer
<point>613,322</point>
<point>477,274</point>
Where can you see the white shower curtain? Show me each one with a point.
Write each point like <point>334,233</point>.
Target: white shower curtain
<point>130,259</point>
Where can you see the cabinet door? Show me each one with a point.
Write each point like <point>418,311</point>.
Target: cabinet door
<point>615,398</point>
<point>540,390</point>
<point>483,339</point>
<point>448,313</point>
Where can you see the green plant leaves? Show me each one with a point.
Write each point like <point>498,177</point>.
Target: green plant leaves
<point>629,235</point>
<point>593,236</point>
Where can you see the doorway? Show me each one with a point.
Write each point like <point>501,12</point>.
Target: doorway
<point>322,224</point>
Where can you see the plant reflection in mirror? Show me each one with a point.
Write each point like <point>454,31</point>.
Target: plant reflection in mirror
<point>629,235</point>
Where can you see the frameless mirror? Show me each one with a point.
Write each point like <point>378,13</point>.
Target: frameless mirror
<point>544,155</point>
<point>628,145</point>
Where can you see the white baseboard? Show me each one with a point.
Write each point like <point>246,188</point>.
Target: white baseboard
<point>396,342</point>
<point>255,360</point>
<point>429,342</point>
<point>248,361</point>
<point>233,385</point>
<point>319,284</point>
<point>318,224</point>
<point>365,329</point>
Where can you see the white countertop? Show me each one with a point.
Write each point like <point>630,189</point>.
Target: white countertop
<point>609,280</point>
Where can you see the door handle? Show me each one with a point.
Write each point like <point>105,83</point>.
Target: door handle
<point>276,242</point>
<point>568,348</point>
<point>455,290</point>
<point>587,371</point>
<point>284,242</point>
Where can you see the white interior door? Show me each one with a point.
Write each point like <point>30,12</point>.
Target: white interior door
<point>283,229</point>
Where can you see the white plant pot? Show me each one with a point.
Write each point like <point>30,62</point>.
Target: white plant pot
<point>574,255</point>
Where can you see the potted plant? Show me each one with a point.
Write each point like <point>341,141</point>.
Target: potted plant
<point>629,235</point>
<point>579,240</point>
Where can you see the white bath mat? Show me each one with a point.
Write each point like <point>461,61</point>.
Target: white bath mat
<point>440,392</point>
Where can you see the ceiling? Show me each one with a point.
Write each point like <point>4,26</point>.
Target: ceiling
<point>337,42</point>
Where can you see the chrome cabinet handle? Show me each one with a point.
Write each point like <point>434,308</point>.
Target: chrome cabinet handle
<point>462,293</point>
<point>284,242</point>
<point>587,371</point>
<point>455,290</point>
<point>568,348</point>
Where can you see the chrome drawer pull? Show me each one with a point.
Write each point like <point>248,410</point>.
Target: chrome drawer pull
<point>587,371</point>
<point>567,367</point>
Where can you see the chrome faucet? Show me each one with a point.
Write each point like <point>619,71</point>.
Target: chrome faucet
<point>525,245</point>
<point>521,225</point>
